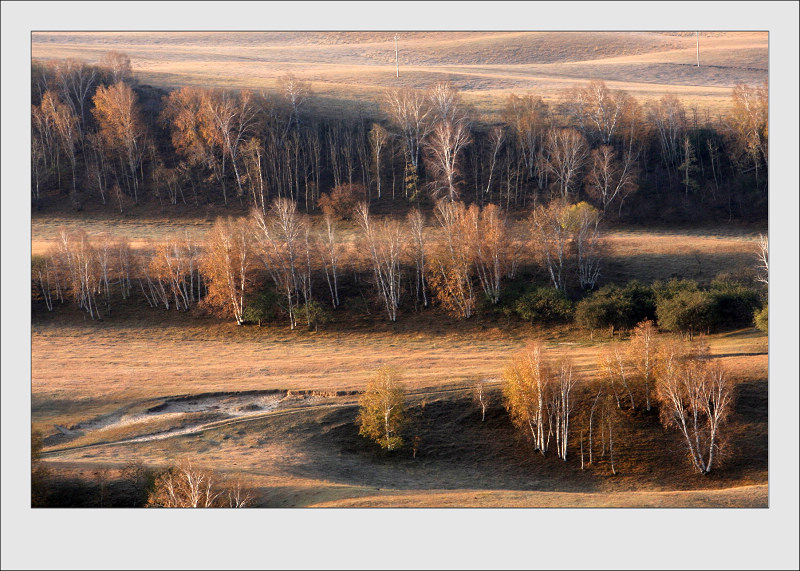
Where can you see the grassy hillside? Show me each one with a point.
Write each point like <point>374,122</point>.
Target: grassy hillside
<point>486,66</point>
<point>300,447</point>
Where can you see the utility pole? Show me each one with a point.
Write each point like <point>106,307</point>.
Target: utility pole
<point>397,62</point>
<point>697,37</point>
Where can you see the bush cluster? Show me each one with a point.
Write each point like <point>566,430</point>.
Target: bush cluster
<point>680,306</point>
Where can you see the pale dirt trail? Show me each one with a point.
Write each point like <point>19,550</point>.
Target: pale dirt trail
<point>237,409</point>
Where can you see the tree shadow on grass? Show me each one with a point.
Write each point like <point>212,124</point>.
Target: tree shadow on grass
<point>455,451</point>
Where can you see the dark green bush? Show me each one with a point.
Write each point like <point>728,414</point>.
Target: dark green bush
<point>616,307</point>
<point>673,287</point>
<point>733,304</point>
<point>544,305</point>
<point>686,312</point>
<point>684,307</point>
<point>313,313</point>
<point>261,306</point>
<point>642,303</point>
<point>605,308</point>
<point>760,318</point>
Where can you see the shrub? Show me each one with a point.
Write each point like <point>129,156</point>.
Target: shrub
<point>672,288</point>
<point>683,307</point>
<point>605,308</point>
<point>642,303</point>
<point>313,313</point>
<point>733,304</point>
<point>760,318</point>
<point>616,307</point>
<point>545,305</point>
<point>341,201</point>
<point>261,307</point>
<point>686,312</point>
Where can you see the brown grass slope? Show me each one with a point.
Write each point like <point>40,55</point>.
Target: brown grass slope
<point>485,65</point>
<point>313,456</point>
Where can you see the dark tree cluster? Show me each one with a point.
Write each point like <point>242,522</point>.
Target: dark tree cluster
<point>99,136</point>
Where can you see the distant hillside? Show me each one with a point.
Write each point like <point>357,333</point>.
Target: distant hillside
<point>486,66</point>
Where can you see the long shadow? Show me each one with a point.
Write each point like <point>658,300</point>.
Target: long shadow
<point>455,451</point>
<point>696,265</point>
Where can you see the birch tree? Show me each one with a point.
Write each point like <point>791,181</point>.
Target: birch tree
<point>382,411</point>
<point>584,225</point>
<point>65,124</point>
<point>118,66</point>
<point>445,144</point>
<point>527,117</point>
<point>122,129</point>
<point>599,112</point>
<point>76,80</point>
<point>592,412</point>
<point>668,115</point>
<point>616,368</point>
<point>378,137</point>
<point>416,225</point>
<point>228,265</point>
<point>762,257</point>
<point>566,154</point>
<point>410,111</point>
<point>193,133</point>
<point>493,249</point>
<point>749,123</point>
<point>78,264</point>
<point>643,354</point>
<point>551,239</point>
<point>496,139</point>
<point>527,386</point>
<point>281,234</point>
<point>233,117</point>
<point>385,241</point>
<point>452,261</point>
<point>482,397</point>
<point>610,180</point>
<point>561,405</point>
<point>296,93</point>
<point>331,255</point>
<point>695,398</point>
<point>252,157</point>
<point>42,273</point>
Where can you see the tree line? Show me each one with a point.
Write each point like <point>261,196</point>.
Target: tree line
<point>283,264</point>
<point>284,259</point>
<point>693,396</point>
<point>98,135</point>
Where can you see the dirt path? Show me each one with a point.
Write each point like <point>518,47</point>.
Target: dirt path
<point>241,409</point>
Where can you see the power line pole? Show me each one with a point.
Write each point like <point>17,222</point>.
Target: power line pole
<point>396,61</point>
<point>697,37</point>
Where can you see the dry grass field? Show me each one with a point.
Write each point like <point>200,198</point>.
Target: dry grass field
<point>277,408</point>
<point>485,66</point>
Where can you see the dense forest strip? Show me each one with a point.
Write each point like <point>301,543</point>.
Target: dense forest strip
<point>100,139</point>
